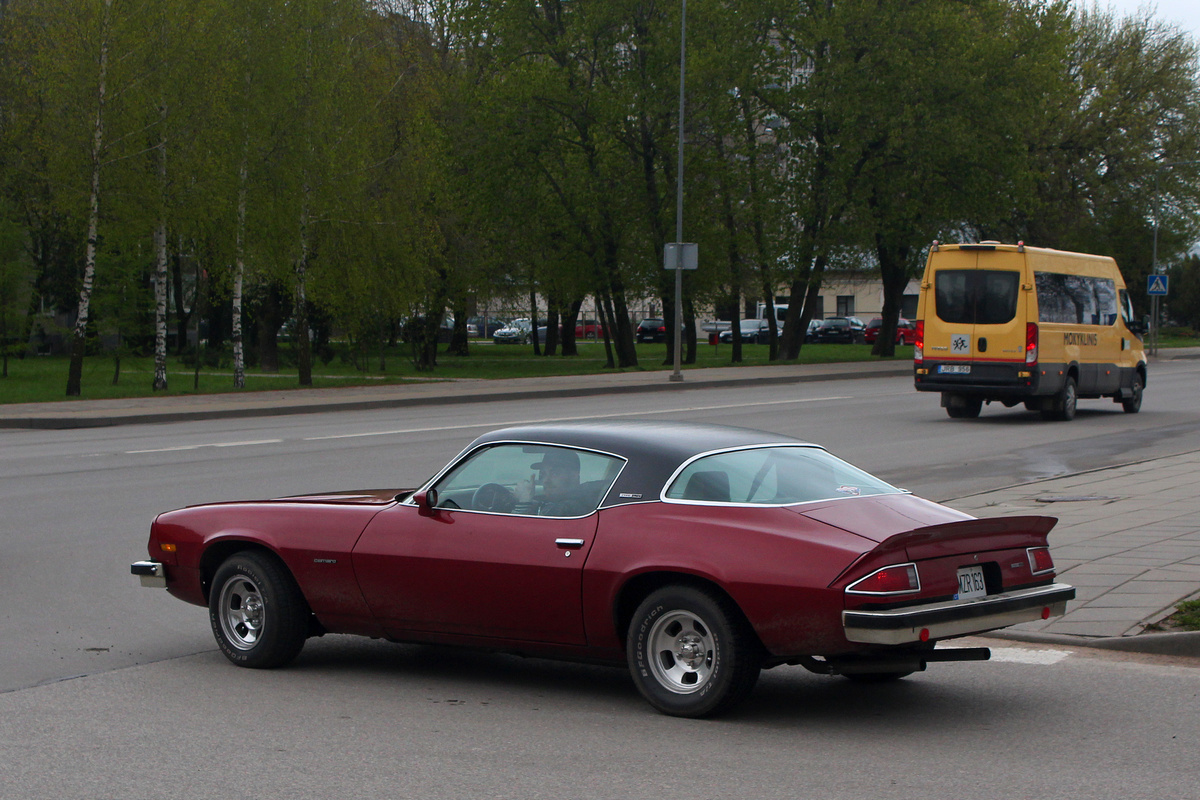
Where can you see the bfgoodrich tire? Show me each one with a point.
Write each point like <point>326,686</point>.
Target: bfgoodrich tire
<point>691,654</point>
<point>258,614</point>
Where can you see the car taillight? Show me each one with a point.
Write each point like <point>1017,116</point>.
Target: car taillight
<point>1040,560</point>
<point>919,341</point>
<point>892,579</point>
<point>1031,343</point>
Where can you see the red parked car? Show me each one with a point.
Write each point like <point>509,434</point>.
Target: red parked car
<point>906,331</point>
<point>696,555</point>
<point>588,329</point>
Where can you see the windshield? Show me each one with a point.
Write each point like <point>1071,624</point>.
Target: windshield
<point>779,475</point>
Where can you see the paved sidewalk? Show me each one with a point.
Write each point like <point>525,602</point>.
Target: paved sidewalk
<point>1128,537</point>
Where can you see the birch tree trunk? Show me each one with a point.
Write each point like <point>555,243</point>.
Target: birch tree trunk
<point>160,264</point>
<point>79,340</point>
<point>239,271</point>
<point>304,354</point>
<point>160,305</point>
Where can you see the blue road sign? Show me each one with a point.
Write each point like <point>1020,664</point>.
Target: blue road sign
<point>1156,285</point>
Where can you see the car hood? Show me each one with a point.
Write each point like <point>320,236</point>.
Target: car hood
<point>369,497</point>
<point>879,517</point>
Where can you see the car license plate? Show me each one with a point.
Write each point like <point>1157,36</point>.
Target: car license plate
<point>970,583</point>
<point>954,369</point>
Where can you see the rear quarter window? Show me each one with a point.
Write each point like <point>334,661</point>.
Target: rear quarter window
<point>772,476</point>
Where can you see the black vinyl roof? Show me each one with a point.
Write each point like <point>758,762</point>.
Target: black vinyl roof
<point>653,449</point>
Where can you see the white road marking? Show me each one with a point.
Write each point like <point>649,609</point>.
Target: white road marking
<point>1019,655</point>
<point>639,413</point>
<point>466,426</point>
<point>1022,655</point>
<point>198,446</point>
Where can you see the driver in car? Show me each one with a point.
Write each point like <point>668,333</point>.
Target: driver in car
<point>558,472</point>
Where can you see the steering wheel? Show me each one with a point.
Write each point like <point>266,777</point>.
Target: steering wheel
<point>493,497</point>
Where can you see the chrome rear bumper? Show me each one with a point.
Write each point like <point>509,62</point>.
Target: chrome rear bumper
<point>956,617</point>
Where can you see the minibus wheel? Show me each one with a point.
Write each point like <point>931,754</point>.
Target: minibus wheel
<point>961,406</point>
<point>1063,407</point>
<point>1133,403</point>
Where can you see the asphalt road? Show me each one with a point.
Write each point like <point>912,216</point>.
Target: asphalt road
<point>108,689</point>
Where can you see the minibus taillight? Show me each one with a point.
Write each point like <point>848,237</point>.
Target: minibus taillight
<point>1031,343</point>
<point>919,341</point>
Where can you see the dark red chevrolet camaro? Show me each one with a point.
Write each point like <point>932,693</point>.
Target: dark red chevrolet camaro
<point>695,554</point>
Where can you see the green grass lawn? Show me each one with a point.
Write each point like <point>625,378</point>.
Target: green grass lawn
<point>37,379</point>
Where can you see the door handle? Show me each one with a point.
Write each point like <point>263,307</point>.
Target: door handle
<point>568,544</point>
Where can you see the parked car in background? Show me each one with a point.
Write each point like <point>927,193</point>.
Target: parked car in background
<point>754,331</point>
<point>813,324</point>
<point>840,330</point>
<point>484,327</point>
<point>652,329</point>
<point>906,331</point>
<point>588,329</point>
<point>516,332</point>
<point>695,555</point>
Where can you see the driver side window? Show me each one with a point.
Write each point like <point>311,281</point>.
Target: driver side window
<point>529,479</point>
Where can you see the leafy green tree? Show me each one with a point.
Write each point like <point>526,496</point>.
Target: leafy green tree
<point>1114,147</point>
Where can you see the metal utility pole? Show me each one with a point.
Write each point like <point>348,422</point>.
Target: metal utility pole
<point>676,375</point>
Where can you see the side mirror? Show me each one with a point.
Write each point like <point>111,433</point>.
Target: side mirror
<point>426,502</point>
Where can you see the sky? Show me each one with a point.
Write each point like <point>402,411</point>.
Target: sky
<point>1185,13</point>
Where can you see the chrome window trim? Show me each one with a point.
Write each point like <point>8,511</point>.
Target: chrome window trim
<point>468,452</point>
<point>662,496</point>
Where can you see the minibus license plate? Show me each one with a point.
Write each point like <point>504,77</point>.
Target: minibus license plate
<point>970,583</point>
<point>954,369</point>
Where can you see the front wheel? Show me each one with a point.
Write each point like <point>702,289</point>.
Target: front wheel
<point>690,652</point>
<point>258,614</point>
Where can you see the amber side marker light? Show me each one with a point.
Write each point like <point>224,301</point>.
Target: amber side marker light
<point>167,547</point>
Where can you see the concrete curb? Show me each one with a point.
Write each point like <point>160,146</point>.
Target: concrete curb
<point>82,418</point>
<point>1180,643</point>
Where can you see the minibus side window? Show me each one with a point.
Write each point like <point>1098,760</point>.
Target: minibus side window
<point>1076,299</point>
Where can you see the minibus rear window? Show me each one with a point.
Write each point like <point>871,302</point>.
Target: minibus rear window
<point>976,296</point>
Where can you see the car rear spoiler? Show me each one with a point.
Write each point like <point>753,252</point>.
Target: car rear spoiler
<point>951,538</point>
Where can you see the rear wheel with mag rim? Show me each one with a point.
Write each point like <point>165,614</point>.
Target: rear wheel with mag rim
<point>691,653</point>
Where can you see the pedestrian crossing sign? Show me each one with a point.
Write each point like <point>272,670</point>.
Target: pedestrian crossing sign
<point>1156,285</point>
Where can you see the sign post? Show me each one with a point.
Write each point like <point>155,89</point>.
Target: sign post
<point>1156,287</point>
